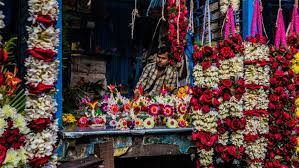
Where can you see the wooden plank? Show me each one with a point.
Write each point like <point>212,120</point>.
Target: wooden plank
<point>105,151</point>
<point>90,162</point>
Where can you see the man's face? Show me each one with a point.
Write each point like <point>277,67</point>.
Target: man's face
<point>162,60</point>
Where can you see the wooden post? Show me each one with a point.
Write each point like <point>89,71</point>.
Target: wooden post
<point>247,11</point>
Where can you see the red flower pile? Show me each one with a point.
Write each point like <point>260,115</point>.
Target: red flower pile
<point>206,56</point>
<point>177,32</point>
<point>204,99</point>
<point>230,88</point>
<point>281,142</point>
<point>228,48</point>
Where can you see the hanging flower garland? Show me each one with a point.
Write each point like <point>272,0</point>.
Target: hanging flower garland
<point>42,73</point>
<point>231,123</point>
<point>178,24</point>
<point>293,43</point>
<point>281,140</point>
<point>257,75</point>
<point>205,105</point>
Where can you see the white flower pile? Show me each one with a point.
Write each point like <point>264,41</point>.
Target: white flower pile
<point>43,106</point>
<point>205,122</point>
<point>42,144</point>
<point>232,67</point>
<point>40,71</point>
<point>206,78</point>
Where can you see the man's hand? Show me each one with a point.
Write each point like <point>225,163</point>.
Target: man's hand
<point>136,93</point>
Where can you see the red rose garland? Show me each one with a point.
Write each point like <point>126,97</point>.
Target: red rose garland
<point>281,141</point>
<point>231,123</point>
<point>42,73</point>
<point>178,23</point>
<point>205,105</point>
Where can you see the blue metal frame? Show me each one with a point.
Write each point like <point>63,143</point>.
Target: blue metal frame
<point>247,8</point>
<point>59,57</point>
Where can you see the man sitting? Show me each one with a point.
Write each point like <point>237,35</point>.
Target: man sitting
<point>157,74</point>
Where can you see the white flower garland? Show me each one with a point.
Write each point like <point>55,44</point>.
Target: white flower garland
<point>40,71</point>
<point>42,144</point>
<point>256,100</point>
<point>257,75</point>
<point>43,106</point>
<point>205,122</point>
<point>232,67</point>
<point>45,37</point>
<point>231,108</point>
<point>255,51</point>
<point>225,3</point>
<point>206,78</point>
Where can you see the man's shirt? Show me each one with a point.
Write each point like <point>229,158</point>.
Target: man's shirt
<point>152,83</point>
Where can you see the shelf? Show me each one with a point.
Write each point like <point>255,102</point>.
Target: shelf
<point>89,131</point>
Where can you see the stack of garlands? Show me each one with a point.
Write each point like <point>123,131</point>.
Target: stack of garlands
<point>205,105</point>
<point>178,23</point>
<point>281,141</point>
<point>256,99</point>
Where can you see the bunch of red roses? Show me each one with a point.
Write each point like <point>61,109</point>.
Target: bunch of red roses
<point>178,23</point>
<point>206,56</point>
<point>231,88</point>
<point>281,141</point>
<point>228,48</point>
<point>204,99</point>
<point>11,138</point>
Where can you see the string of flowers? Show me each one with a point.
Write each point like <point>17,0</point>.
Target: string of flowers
<point>178,24</point>
<point>256,99</point>
<point>281,142</point>
<point>205,105</point>
<point>42,72</point>
<point>231,123</point>
<point>293,42</point>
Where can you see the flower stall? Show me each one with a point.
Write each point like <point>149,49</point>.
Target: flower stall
<point>151,83</point>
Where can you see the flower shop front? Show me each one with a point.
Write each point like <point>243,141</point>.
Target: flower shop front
<point>151,83</point>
